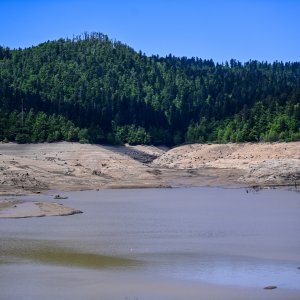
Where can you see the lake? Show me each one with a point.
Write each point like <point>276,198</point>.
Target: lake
<point>181,243</point>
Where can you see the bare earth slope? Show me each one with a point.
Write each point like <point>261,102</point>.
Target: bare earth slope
<point>69,166</point>
<point>263,163</point>
<point>65,166</point>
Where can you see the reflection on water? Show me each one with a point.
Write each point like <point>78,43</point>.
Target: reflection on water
<point>214,235</point>
<point>241,271</point>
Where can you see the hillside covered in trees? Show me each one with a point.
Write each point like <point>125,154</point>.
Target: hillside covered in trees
<point>92,89</point>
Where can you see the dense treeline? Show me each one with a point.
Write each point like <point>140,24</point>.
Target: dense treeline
<point>92,89</point>
<point>38,127</point>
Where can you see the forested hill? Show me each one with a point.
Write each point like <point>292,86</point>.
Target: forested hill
<point>92,89</point>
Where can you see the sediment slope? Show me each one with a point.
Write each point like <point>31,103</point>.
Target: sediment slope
<point>262,163</point>
<point>69,166</point>
<point>66,166</point>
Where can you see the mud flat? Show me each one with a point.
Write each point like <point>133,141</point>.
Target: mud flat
<point>37,168</point>
<point>15,209</point>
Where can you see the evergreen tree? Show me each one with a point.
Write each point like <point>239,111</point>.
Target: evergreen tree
<point>92,89</point>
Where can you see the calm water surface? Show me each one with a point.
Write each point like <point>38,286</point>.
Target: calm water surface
<point>128,241</point>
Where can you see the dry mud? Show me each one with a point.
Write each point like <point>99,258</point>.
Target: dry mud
<point>21,209</point>
<point>36,168</point>
<point>259,164</point>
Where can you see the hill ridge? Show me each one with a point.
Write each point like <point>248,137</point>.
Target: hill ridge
<point>92,89</point>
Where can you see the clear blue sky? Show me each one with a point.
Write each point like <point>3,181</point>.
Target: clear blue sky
<point>221,30</point>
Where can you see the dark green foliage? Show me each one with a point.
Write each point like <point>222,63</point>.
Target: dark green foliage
<point>38,127</point>
<point>90,89</point>
<point>131,134</point>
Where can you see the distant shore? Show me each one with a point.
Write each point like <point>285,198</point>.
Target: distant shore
<point>38,168</point>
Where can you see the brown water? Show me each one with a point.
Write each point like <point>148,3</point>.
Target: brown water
<point>156,244</point>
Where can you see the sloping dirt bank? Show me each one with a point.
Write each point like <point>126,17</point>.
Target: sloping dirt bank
<point>35,168</point>
<point>258,164</point>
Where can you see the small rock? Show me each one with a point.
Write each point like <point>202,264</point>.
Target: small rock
<point>60,197</point>
<point>270,287</point>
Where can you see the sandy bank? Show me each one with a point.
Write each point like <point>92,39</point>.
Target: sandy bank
<point>19,209</point>
<point>34,168</point>
<point>258,164</point>
<point>70,166</point>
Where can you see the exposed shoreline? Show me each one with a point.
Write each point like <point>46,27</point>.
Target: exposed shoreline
<point>39,168</point>
<point>15,209</point>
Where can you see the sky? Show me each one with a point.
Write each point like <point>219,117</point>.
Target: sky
<point>265,30</point>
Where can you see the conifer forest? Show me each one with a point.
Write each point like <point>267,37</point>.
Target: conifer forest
<point>94,90</point>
